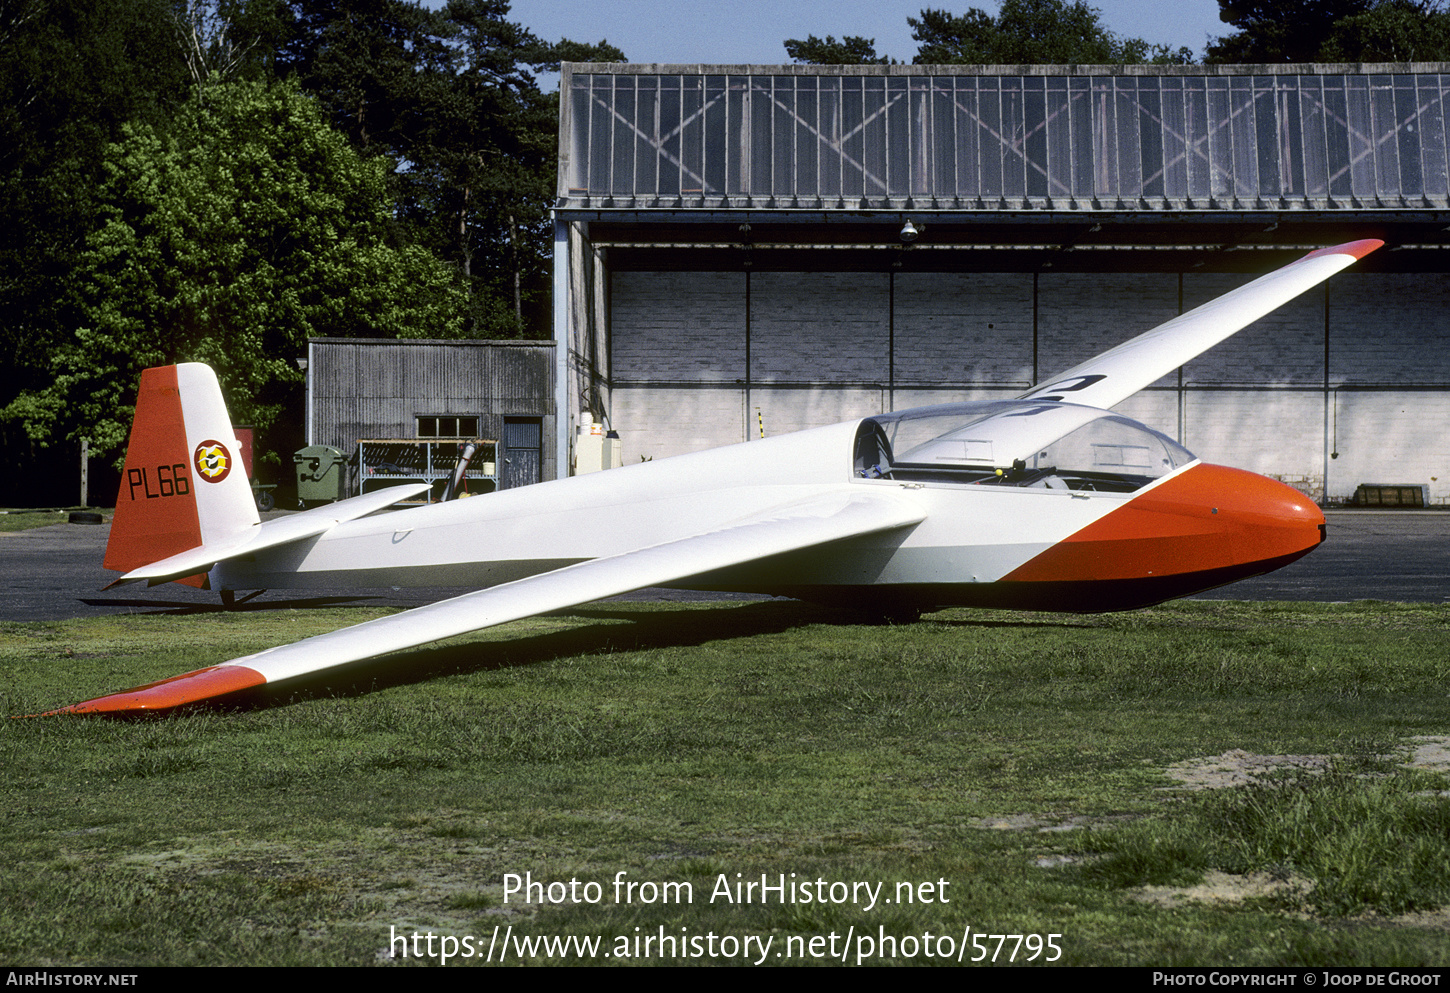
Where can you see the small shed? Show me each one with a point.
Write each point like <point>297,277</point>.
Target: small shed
<point>420,391</point>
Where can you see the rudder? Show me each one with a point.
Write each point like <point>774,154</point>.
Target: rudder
<point>183,484</point>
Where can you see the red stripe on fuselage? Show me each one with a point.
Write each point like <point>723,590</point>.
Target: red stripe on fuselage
<point>1207,518</point>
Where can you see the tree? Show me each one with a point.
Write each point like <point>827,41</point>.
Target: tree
<point>1279,31</point>
<point>851,50</point>
<point>972,38</point>
<point>1276,31</point>
<point>375,65</point>
<point>229,238</point>
<point>72,73</point>
<point>1030,32</point>
<point>1391,31</point>
<point>484,166</point>
<point>232,38</point>
<point>451,96</point>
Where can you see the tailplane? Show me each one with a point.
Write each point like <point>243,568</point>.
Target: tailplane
<point>183,485</point>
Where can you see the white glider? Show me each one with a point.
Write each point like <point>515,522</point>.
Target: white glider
<point>1047,502</point>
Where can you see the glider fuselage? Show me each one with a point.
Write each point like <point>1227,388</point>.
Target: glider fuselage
<point>983,541</point>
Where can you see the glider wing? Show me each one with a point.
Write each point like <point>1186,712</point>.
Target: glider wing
<point>1120,372</point>
<point>815,521</point>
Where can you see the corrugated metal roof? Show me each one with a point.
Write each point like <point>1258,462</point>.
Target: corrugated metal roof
<point>984,138</point>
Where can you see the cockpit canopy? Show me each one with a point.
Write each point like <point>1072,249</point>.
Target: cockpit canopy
<point>1016,443</point>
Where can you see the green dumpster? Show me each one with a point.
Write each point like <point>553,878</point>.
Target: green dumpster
<point>321,474</point>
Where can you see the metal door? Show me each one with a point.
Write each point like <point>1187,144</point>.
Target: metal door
<point>523,443</point>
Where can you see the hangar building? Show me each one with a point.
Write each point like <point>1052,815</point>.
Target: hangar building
<point>733,257</point>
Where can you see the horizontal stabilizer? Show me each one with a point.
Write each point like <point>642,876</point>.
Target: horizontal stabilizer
<point>270,534</point>
<point>831,517</point>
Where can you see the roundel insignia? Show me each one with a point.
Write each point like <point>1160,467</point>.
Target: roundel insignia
<point>212,461</point>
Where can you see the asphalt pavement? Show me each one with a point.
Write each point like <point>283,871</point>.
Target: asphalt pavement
<point>54,573</point>
<point>1396,555</point>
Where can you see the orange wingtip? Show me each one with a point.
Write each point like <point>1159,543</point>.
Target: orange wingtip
<point>189,687</point>
<point>1359,249</point>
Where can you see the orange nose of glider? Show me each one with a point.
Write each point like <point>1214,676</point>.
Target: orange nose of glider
<point>1201,528</point>
<point>1230,519</point>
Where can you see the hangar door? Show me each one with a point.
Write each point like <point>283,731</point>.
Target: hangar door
<point>1342,386</point>
<point>700,359</point>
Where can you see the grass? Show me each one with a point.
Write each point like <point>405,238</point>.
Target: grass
<point>24,520</point>
<point>698,743</point>
<point>1370,838</point>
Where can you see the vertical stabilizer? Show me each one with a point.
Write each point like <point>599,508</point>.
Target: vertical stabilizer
<point>183,484</point>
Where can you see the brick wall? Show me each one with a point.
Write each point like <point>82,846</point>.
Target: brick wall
<point>968,328</point>
<point>678,326</point>
<point>819,327</point>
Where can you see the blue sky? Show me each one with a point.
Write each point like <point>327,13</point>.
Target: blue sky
<point>752,31</point>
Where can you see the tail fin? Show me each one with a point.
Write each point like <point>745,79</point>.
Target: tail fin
<point>183,484</point>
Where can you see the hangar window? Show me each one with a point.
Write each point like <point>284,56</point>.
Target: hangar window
<point>447,426</point>
<point>1016,443</point>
